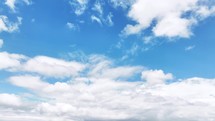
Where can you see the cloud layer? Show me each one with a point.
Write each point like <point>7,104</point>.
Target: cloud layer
<point>102,91</point>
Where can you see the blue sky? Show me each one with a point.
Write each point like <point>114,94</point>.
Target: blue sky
<point>50,48</point>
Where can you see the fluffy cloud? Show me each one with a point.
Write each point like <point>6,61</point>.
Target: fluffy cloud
<point>29,82</point>
<point>172,18</point>
<point>1,43</point>
<point>52,67</point>
<point>9,100</point>
<point>42,65</point>
<point>114,100</point>
<point>7,26</point>
<point>105,91</point>
<point>153,77</point>
<point>10,61</point>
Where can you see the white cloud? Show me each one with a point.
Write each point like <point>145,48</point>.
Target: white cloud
<point>171,17</point>
<point>1,43</point>
<point>28,2</point>
<point>109,20</point>
<point>79,5</point>
<point>71,26</point>
<point>153,77</point>
<point>121,3</point>
<point>115,100</point>
<point>96,19</point>
<point>190,47</point>
<point>10,61</point>
<point>102,20</point>
<point>52,67</point>
<point>98,8</point>
<point>205,11</point>
<point>29,82</point>
<point>10,100</point>
<point>10,4</point>
<point>101,67</point>
<point>106,91</point>
<point>7,26</point>
<point>43,65</point>
<point>173,26</point>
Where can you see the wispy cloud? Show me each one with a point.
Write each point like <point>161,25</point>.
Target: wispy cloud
<point>189,48</point>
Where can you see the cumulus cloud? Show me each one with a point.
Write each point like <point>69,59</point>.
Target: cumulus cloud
<point>153,77</point>
<point>9,100</point>
<point>106,91</point>
<point>114,100</point>
<point>29,82</point>
<point>8,26</point>
<point>1,43</point>
<point>53,67</point>
<point>43,65</point>
<point>10,61</point>
<point>172,18</point>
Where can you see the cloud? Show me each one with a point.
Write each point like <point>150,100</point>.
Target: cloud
<point>121,3</point>
<point>10,61</point>
<point>96,19</point>
<point>29,82</point>
<point>79,5</point>
<point>9,100</point>
<point>115,100</point>
<point>167,18</point>
<point>102,67</point>
<point>153,77</point>
<point>96,11</point>
<point>98,8</point>
<point>109,20</point>
<point>52,67</point>
<point>71,26</point>
<point>107,91</point>
<point>7,26</point>
<point>1,43</point>
<point>10,4</point>
<point>28,2</point>
<point>42,65</point>
<point>190,48</point>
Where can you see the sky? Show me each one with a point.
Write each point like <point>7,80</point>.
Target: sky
<point>107,60</point>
